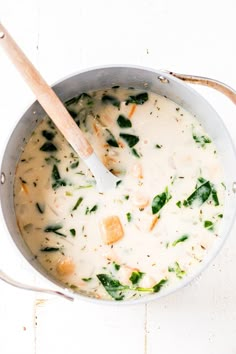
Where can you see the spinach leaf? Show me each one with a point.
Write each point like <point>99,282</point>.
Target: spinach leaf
<point>160,200</point>
<point>54,229</point>
<point>116,289</point>
<point>214,195</point>
<point>55,173</point>
<point>135,277</point>
<point>202,140</point>
<point>199,196</point>
<point>76,99</point>
<point>179,204</point>
<point>107,99</point>
<point>118,183</point>
<point>40,208</point>
<point>158,146</point>
<point>181,239</point>
<point>48,147</point>
<point>159,285</point>
<point>111,140</point>
<point>92,210</point>
<point>130,139</point>
<point>57,181</point>
<point>116,266</point>
<point>135,153</point>
<point>52,159</point>
<point>73,232</point>
<point>48,134</point>
<point>129,217</point>
<point>77,204</point>
<point>141,98</point>
<point>112,286</point>
<point>74,164</point>
<point>72,113</point>
<point>50,249</point>
<point>177,270</point>
<point>86,279</point>
<point>124,122</point>
<point>209,225</point>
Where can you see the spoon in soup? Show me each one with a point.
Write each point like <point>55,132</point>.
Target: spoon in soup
<point>55,109</point>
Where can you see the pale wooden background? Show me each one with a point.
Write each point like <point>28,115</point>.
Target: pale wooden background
<point>62,37</point>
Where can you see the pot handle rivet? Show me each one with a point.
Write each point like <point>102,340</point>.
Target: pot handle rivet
<point>3,178</point>
<point>163,79</point>
<point>234,187</point>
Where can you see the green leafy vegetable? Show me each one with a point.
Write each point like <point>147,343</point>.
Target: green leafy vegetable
<point>51,160</point>
<point>116,289</point>
<point>48,134</point>
<point>77,204</point>
<point>92,210</point>
<point>86,279</point>
<point>116,266</point>
<point>209,225</point>
<point>107,99</point>
<point>112,286</point>
<point>220,216</point>
<point>55,173</point>
<point>54,229</point>
<point>124,122</point>
<point>130,139</point>
<point>40,208</point>
<point>48,147</point>
<point>202,140</point>
<point>72,113</point>
<point>118,183</point>
<point>57,181</point>
<point>135,153</point>
<point>74,164</point>
<point>73,232</point>
<point>111,140</point>
<point>179,204</point>
<point>199,196</point>
<point>181,239</point>
<point>158,146</point>
<point>214,195</point>
<point>136,277</point>
<point>159,285</point>
<point>76,99</point>
<point>129,217</point>
<point>50,249</point>
<point>160,200</point>
<point>180,273</point>
<point>141,98</point>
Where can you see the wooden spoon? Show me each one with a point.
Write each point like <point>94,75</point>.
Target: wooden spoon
<point>57,112</point>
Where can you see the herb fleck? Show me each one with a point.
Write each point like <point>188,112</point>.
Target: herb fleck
<point>181,239</point>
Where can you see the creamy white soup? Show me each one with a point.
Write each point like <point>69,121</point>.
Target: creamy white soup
<point>154,228</point>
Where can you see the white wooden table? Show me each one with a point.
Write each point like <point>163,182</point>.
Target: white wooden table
<point>62,37</point>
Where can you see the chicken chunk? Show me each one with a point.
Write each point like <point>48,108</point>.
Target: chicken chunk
<point>111,229</point>
<point>65,267</point>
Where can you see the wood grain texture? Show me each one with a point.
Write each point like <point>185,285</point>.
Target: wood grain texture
<point>46,96</point>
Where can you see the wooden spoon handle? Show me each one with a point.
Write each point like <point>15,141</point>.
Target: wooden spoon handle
<point>46,96</point>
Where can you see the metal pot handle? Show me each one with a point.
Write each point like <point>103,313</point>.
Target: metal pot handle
<point>15,283</point>
<point>205,81</point>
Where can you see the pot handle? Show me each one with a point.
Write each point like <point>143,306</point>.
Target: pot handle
<point>205,81</point>
<point>16,284</point>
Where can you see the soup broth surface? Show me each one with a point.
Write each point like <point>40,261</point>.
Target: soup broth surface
<point>148,233</point>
